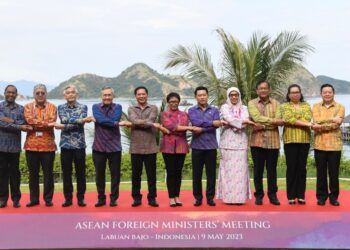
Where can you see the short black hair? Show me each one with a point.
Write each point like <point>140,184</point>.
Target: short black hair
<point>10,86</point>
<point>140,87</point>
<point>200,88</point>
<point>288,92</point>
<point>171,95</point>
<point>261,82</point>
<point>327,85</point>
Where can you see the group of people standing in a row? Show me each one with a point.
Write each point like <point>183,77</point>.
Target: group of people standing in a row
<point>264,115</point>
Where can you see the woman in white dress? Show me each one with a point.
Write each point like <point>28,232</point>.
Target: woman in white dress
<point>233,182</point>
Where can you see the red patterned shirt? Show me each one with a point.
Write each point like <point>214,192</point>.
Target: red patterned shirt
<point>42,137</point>
<point>175,142</point>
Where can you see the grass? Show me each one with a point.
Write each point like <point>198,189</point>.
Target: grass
<point>187,185</point>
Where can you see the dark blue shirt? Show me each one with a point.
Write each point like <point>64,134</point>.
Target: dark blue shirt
<point>72,136</point>
<point>204,119</point>
<point>107,133</point>
<point>10,133</point>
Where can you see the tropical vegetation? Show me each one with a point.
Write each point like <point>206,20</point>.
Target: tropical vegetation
<point>262,58</point>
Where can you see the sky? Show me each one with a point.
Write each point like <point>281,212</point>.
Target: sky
<point>50,41</point>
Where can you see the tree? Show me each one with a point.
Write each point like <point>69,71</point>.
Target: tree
<point>242,66</point>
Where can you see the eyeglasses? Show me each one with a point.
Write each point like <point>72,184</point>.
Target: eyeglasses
<point>233,95</point>
<point>294,93</point>
<point>40,93</point>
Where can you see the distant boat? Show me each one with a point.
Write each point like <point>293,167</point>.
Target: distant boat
<point>185,103</point>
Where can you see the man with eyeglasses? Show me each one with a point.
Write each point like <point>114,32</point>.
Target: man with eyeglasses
<point>40,144</point>
<point>11,124</point>
<point>73,116</point>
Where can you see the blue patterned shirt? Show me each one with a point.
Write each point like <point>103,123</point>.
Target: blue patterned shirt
<point>10,133</point>
<point>107,133</point>
<point>204,119</point>
<point>72,136</point>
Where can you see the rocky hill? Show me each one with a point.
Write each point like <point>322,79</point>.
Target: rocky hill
<point>89,85</point>
<point>159,85</point>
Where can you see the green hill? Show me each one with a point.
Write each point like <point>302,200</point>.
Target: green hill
<point>341,86</point>
<point>309,84</point>
<point>159,85</point>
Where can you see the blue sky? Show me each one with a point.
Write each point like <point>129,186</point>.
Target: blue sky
<point>50,41</point>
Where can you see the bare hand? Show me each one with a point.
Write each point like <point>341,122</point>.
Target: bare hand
<point>7,119</point>
<point>224,123</point>
<point>249,122</point>
<point>258,127</point>
<point>156,125</point>
<point>337,120</point>
<point>59,126</point>
<point>278,122</point>
<point>51,124</point>
<point>125,123</point>
<point>164,130</point>
<point>26,128</point>
<point>89,119</point>
<point>316,127</point>
<point>197,130</point>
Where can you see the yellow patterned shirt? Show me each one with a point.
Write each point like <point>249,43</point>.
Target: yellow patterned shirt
<point>290,114</point>
<point>329,138</point>
<point>264,113</point>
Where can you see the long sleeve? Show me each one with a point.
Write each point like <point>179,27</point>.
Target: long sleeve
<point>106,119</point>
<point>233,122</point>
<point>12,126</point>
<point>257,116</point>
<point>147,122</point>
<point>40,122</point>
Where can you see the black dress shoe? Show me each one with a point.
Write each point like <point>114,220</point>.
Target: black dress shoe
<point>178,203</point>
<point>211,203</point>
<point>258,202</point>
<point>334,203</point>
<point>113,203</point>
<point>291,202</point>
<point>197,203</point>
<point>301,201</point>
<point>67,203</point>
<point>48,203</point>
<point>153,203</point>
<point>275,201</point>
<point>100,203</point>
<point>321,203</point>
<point>16,204</point>
<point>32,203</point>
<point>3,204</point>
<point>136,203</point>
<point>81,203</point>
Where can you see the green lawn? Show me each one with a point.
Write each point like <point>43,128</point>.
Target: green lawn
<point>187,185</point>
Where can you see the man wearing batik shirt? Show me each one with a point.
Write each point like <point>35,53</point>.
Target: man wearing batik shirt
<point>40,144</point>
<point>11,124</point>
<point>73,116</point>
<point>205,119</point>
<point>265,142</point>
<point>107,145</point>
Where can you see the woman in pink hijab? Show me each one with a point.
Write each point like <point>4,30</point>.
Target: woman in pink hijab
<point>233,182</point>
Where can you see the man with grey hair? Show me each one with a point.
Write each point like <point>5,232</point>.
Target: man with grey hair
<point>40,144</point>
<point>73,116</point>
<point>107,145</point>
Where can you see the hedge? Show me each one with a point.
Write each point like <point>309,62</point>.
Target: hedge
<point>187,170</point>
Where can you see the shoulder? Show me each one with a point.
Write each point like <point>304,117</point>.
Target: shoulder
<point>253,101</point>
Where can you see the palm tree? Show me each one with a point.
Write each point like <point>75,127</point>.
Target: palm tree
<point>261,59</point>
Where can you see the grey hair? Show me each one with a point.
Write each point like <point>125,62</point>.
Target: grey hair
<point>107,87</point>
<point>70,86</point>
<point>39,86</point>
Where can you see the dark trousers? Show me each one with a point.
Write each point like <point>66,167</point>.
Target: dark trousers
<point>100,162</point>
<point>262,157</point>
<point>174,164</point>
<point>150,161</point>
<point>34,161</point>
<point>68,156</point>
<point>199,159</point>
<point>10,175</point>
<point>327,161</point>
<point>296,157</point>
